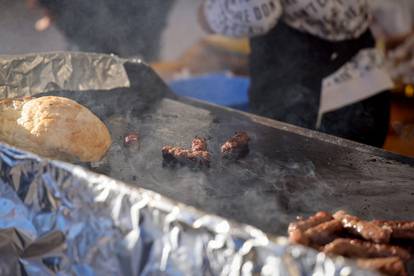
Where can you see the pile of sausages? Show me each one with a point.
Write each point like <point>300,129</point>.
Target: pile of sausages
<point>385,246</point>
<point>198,156</point>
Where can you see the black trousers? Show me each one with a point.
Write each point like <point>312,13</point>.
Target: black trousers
<point>287,69</point>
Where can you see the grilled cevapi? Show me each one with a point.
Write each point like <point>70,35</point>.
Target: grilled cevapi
<point>199,144</point>
<point>308,231</point>
<point>392,266</point>
<point>131,139</point>
<point>236,147</point>
<point>305,224</point>
<point>364,249</point>
<point>377,245</point>
<point>196,157</point>
<point>367,230</point>
<point>399,229</point>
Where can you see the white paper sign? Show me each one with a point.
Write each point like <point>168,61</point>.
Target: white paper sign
<point>364,76</point>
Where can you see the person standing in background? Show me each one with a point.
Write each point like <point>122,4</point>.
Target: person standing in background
<point>130,28</point>
<point>312,63</point>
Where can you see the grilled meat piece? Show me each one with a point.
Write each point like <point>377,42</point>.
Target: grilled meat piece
<point>131,139</point>
<point>199,144</point>
<point>198,156</point>
<point>298,237</point>
<point>367,230</point>
<point>176,155</point>
<point>318,235</point>
<point>392,266</point>
<point>297,230</point>
<point>305,224</point>
<point>324,233</point>
<point>400,229</point>
<point>363,249</point>
<point>236,147</point>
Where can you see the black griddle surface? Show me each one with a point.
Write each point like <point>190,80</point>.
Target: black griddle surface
<point>289,172</point>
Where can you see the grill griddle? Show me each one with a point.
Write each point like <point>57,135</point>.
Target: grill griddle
<point>289,172</point>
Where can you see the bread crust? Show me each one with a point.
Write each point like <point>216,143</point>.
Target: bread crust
<point>54,127</point>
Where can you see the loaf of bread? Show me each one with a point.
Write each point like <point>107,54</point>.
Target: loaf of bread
<point>54,127</point>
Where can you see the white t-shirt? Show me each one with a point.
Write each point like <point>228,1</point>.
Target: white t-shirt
<point>333,20</point>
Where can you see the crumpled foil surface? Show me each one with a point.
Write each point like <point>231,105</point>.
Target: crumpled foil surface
<point>59,219</point>
<point>36,73</point>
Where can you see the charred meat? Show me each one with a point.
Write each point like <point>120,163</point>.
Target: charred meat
<point>324,233</point>
<point>318,235</point>
<point>385,246</point>
<point>392,266</point>
<point>367,230</point>
<point>307,231</point>
<point>364,249</point>
<point>305,224</point>
<point>197,157</point>
<point>236,147</point>
<point>131,139</point>
<point>199,144</point>
<point>176,155</point>
<point>400,229</point>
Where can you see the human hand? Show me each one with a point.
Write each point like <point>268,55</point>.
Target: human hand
<point>45,22</point>
<point>400,59</point>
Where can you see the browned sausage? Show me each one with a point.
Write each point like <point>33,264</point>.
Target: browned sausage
<point>367,230</point>
<point>392,266</point>
<point>400,229</point>
<point>305,224</point>
<point>324,233</point>
<point>363,249</point>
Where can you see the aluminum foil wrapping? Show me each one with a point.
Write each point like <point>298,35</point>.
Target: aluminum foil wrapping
<point>26,75</point>
<point>59,219</point>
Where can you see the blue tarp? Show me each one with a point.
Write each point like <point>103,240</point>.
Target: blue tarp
<point>219,89</point>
